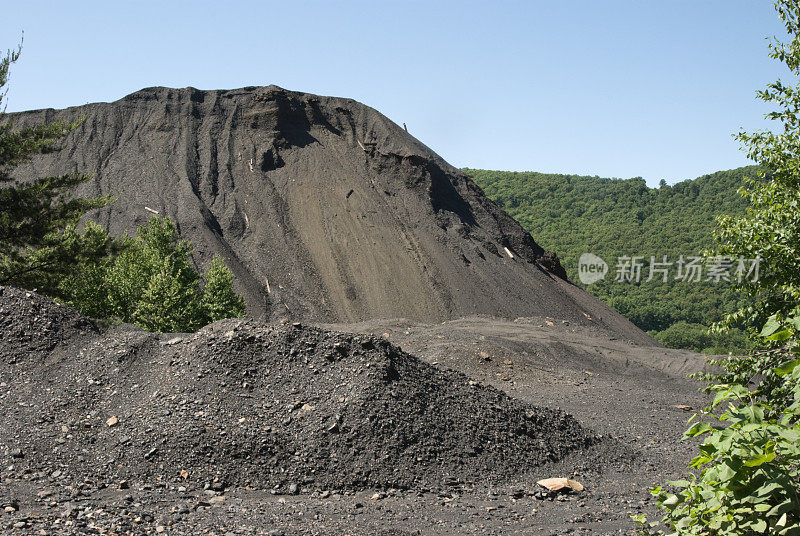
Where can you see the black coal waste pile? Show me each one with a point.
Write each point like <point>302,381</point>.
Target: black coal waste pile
<point>240,403</point>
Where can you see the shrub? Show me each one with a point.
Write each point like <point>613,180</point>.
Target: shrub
<point>749,468</point>
<point>153,284</point>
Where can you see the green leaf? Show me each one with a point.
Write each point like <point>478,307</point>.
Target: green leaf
<point>760,459</point>
<point>671,500</point>
<point>767,489</point>
<point>781,335</point>
<point>697,429</point>
<point>782,521</point>
<point>725,472</point>
<point>700,460</point>
<point>770,326</point>
<point>781,508</point>
<point>679,483</point>
<point>787,368</point>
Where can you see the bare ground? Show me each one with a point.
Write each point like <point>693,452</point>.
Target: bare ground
<point>327,212</point>
<point>73,473</point>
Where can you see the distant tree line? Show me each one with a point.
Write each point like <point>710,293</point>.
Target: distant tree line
<point>572,215</point>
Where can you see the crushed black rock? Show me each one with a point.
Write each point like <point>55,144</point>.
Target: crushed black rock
<point>238,403</point>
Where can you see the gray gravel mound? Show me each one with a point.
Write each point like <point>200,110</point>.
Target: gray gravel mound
<point>325,209</point>
<point>31,325</point>
<point>241,403</point>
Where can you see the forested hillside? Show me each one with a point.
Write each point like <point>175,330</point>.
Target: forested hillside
<point>611,218</point>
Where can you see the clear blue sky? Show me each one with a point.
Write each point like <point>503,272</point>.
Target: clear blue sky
<point>616,88</point>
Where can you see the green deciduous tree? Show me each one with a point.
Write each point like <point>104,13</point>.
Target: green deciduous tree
<point>749,462</point>
<point>771,228</point>
<point>153,283</point>
<point>749,468</point>
<point>696,337</point>
<point>170,301</point>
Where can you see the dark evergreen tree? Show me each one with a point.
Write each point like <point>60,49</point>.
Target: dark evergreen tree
<point>39,244</point>
<point>148,280</point>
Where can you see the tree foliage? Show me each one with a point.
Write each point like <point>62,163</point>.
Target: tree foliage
<point>39,240</point>
<point>572,215</point>
<point>770,228</point>
<point>697,337</point>
<point>219,300</point>
<point>749,468</point>
<point>153,283</point>
<point>147,280</point>
<point>749,463</point>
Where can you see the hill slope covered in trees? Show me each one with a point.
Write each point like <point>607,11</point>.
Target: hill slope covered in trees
<point>611,218</point>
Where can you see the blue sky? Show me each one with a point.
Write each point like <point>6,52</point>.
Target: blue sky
<point>616,88</point>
